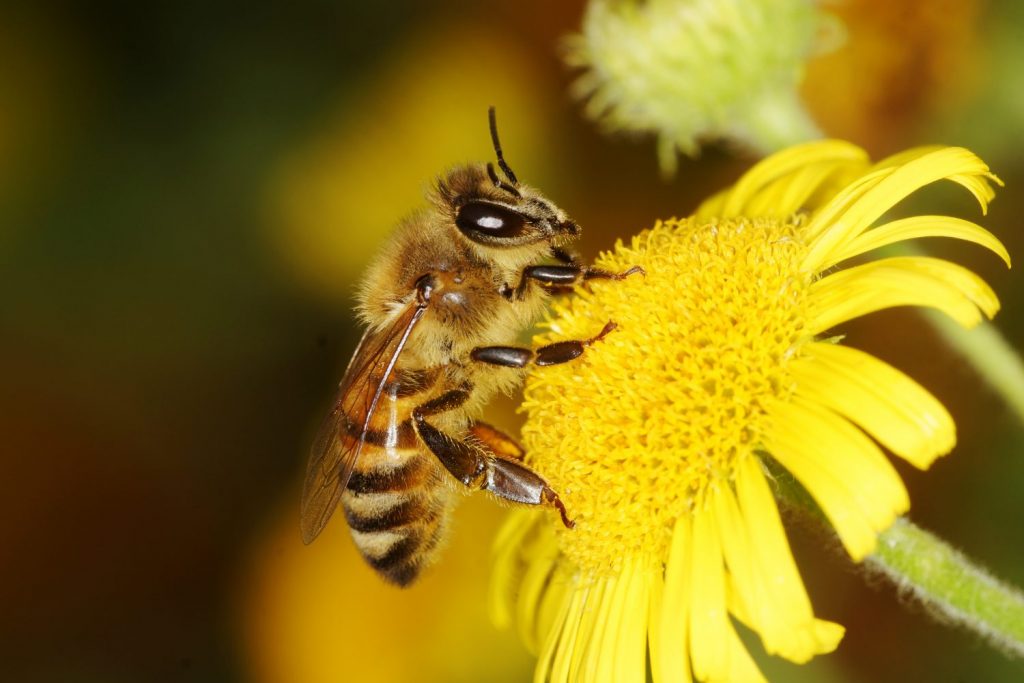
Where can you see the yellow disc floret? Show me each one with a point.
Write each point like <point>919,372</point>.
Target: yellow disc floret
<point>636,432</point>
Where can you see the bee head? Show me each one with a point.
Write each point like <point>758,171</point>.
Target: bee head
<point>500,212</point>
<point>524,219</point>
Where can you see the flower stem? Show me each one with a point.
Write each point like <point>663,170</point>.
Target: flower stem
<point>777,119</point>
<point>950,585</point>
<point>990,354</point>
<point>954,589</point>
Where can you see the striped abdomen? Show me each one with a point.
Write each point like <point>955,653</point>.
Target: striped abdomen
<point>397,507</point>
<point>397,501</point>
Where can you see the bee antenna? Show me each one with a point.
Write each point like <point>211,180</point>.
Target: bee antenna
<point>499,183</point>
<point>497,148</point>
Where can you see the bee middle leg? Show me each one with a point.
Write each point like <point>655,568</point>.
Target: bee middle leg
<point>549,354</point>
<point>478,465</point>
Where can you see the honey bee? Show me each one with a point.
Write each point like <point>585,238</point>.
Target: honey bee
<point>442,303</point>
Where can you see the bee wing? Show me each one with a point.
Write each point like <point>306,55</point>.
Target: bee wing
<point>338,443</point>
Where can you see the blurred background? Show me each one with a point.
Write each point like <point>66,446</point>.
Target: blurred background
<point>188,194</point>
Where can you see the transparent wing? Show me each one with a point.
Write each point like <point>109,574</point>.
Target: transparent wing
<point>343,432</point>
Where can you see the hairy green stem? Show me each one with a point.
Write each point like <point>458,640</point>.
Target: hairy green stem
<point>947,583</point>
<point>950,586</point>
<point>988,352</point>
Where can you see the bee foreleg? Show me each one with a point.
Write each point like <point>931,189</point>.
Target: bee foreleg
<point>549,354</point>
<point>565,256</point>
<point>560,278</point>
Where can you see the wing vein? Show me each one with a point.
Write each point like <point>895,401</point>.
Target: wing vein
<point>336,450</point>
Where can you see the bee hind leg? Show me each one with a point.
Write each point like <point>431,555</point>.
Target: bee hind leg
<point>511,479</point>
<point>497,441</point>
<point>515,481</point>
<point>477,465</point>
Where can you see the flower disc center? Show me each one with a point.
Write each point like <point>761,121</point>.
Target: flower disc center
<point>635,432</point>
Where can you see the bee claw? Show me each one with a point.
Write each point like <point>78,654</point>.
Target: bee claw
<point>549,496</point>
<point>569,524</point>
<point>632,271</point>
<point>609,327</point>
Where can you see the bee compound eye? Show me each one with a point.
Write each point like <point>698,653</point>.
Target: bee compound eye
<point>489,220</point>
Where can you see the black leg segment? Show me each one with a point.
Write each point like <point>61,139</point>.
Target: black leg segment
<point>477,466</point>
<point>561,278</point>
<point>450,400</point>
<point>504,356</point>
<point>465,462</point>
<point>551,354</point>
<point>516,482</point>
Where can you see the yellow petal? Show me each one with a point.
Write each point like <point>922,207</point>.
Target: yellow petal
<point>507,567</point>
<point>905,156</point>
<point>574,642</point>
<point>594,665</point>
<point>749,600</point>
<point>604,642</point>
<point>806,190</point>
<point>824,155</point>
<point>788,624</point>
<point>713,206</point>
<point>669,660</point>
<point>916,227</point>
<point>561,660</point>
<point>531,588</point>
<point>760,518</point>
<point>671,657</point>
<point>977,184</point>
<point>580,648</point>
<point>558,593</point>
<point>629,644</point>
<point>828,219</point>
<point>860,205</point>
<point>795,192</point>
<point>768,594</point>
<point>554,641</point>
<point>845,472</point>
<point>611,636</point>
<point>901,281</point>
<point>741,666</point>
<point>709,621</point>
<point>890,406</point>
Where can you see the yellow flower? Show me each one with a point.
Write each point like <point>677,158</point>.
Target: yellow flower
<point>657,438</point>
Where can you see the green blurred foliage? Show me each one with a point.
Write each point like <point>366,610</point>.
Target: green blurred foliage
<point>165,356</point>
